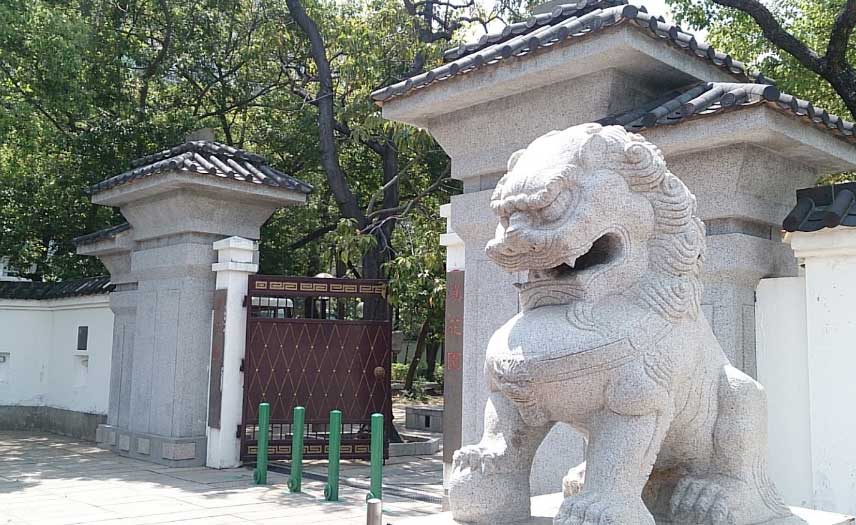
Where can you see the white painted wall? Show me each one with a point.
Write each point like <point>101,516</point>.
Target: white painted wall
<point>782,360</point>
<point>43,367</point>
<point>806,350</point>
<point>830,288</point>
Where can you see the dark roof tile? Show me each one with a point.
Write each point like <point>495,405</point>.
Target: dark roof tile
<point>39,290</point>
<point>558,14</point>
<point>823,207</point>
<point>710,98</point>
<point>208,158</point>
<point>570,21</point>
<point>106,233</point>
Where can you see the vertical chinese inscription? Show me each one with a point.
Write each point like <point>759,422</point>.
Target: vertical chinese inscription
<point>452,364</point>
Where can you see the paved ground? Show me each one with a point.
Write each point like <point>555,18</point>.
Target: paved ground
<point>50,480</point>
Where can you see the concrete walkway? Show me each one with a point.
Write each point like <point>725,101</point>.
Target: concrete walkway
<point>50,480</point>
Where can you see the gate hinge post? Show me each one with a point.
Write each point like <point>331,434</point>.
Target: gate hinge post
<point>238,432</point>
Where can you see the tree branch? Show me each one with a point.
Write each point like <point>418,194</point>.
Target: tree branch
<point>345,198</point>
<point>776,34</point>
<point>836,50</point>
<point>312,236</point>
<point>400,211</point>
<point>32,101</point>
<point>241,103</point>
<point>380,192</point>
<point>341,127</point>
<point>156,62</point>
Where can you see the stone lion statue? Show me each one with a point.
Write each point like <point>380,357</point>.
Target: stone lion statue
<point>611,340</point>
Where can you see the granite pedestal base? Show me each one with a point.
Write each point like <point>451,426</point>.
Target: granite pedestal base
<point>546,506</point>
<point>170,451</point>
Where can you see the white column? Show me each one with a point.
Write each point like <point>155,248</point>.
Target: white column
<point>830,280</point>
<point>455,248</point>
<point>236,258</point>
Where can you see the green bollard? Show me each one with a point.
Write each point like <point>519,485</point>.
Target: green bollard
<point>296,450</point>
<point>260,474</point>
<point>331,491</point>
<point>376,490</point>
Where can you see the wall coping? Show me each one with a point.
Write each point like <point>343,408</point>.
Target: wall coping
<point>50,305</point>
<point>829,242</point>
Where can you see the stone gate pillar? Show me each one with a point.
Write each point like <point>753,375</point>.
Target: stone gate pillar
<point>178,203</point>
<point>740,145</point>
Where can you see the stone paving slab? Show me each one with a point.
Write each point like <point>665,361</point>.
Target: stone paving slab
<point>50,480</point>
<point>546,506</point>
<point>423,474</point>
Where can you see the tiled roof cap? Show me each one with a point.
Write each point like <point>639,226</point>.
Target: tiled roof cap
<point>711,98</point>
<point>565,22</point>
<point>106,233</point>
<point>39,290</point>
<point>823,207</point>
<point>208,158</point>
<point>558,14</point>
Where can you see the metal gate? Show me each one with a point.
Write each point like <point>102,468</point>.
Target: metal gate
<point>309,345</point>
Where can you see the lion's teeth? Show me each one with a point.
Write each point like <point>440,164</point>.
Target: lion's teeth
<point>571,262</point>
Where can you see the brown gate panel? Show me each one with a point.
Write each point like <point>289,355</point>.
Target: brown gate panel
<point>307,346</point>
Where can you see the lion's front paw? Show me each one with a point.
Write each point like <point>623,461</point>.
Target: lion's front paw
<point>488,487</point>
<point>573,482</point>
<point>592,508</point>
<point>476,458</point>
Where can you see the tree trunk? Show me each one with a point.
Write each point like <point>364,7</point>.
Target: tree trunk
<point>374,308</point>
<point>431,360</point>
<point>374,260</point>
<point>421,340</point>
<point>342,192</point>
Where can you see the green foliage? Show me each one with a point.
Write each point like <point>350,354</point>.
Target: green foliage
<point>736,33</point>
<point>88,85</point>
<point>417,276</point>
<point>417,391</point>
<point>350,243</point>
<point>399,371</point>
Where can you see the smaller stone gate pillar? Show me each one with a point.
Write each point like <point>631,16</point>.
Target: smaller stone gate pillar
<point>177,202</point>
<point>236,260</point>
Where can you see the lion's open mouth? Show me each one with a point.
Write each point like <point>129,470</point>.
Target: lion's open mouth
<point>604,251</point>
